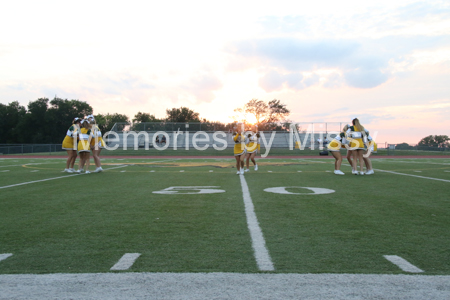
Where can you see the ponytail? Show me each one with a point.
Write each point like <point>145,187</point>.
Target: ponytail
<point>358,126</point>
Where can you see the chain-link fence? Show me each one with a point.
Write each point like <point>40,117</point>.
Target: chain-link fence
<point>316,127</point>
<point>29,148</point>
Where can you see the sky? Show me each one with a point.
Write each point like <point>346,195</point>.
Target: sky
<point>384,62</point>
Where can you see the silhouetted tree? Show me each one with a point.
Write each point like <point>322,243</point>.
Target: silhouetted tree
<point>182,114</point>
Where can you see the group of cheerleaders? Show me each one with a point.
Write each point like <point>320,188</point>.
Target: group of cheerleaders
<point>359,144</point>
<point>81,138</point>
<point>246,147</point>
<point>355,138</point>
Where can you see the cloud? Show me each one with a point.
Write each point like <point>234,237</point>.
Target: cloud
<point>203,85</point>
<point>285,24</point>
<point>365,78</point>
<point>273,80</point>
<point>296,54</point>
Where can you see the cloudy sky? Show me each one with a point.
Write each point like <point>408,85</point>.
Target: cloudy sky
<point>387,63</point>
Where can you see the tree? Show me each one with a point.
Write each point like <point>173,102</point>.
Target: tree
<point>144,117</point>
<point>62,112</point>
<point>106,122</point>
<point>35,126</point>
<point>277,111</point>
<point>10,117</point>
<point>269,113</point>
<point>182,115</point>
<point>403,146</point>
<point>435,141</point>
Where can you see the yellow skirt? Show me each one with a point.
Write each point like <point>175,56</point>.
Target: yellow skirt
<point>239,149</point>
<point>67,143</point>
<point>334,146</point>
<point>252,147</point>
<point>84,146</point>
<point>356,144</point>
<point>100,142</point>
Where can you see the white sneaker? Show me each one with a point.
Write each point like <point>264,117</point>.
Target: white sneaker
<point>242,171</point>
<point>72,169</point>
<point>256,167</point>
<point>78,171</point>
<point>246,170</point>
<point>370,172</point>
<point>361,173</point>
<point>339,172</point>
<point>238,173</point>
<point>354,172</point>
<point>87,172</point>
<point>99,169</point>
<point>65,170</point>
<point>69,171</point>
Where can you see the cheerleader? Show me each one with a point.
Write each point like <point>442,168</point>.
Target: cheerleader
<point>84,147</point>
<point>335,148</point>
<point>239,148</point>
<point>97,143</point>
<point>69,143</point>
<point>371,148</point>
<point>355,134</point>
<point>252,147</point>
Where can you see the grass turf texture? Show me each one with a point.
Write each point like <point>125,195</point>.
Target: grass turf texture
<point>229,152</point>
<point>85,223</point>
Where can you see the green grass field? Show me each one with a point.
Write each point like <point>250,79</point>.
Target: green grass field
<point>229,152</point>
<point>55,222</point>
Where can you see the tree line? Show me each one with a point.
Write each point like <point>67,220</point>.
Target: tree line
<point>45,121</point>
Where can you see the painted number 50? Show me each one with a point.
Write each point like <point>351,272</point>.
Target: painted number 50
<point>190,190</point>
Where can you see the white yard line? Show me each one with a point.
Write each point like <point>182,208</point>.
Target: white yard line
<point>5,256</point>
<point>223,286</point>
<point>29,164</point>
<point>59,177</point>
<point>418,162</point>
<point>259,244</point>
<point>403,264</point>
<point>125,262</point>
<point>397,173</point>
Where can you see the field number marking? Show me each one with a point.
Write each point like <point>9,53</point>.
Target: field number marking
<point>186,190</point>
<point>125,262</point>
<point>282,190</point>
<point>5,256</point>
<point>402,264</point>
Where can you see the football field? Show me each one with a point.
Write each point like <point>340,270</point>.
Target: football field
<point>196,216</point>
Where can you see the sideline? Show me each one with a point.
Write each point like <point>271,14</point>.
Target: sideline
<point>223,286</point>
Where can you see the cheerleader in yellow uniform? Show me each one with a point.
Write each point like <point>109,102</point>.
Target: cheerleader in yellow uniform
<point>252,147</point>
<point>84,146</point>
<point>97,143</point>
<point>239,148</point>
<point>356,145</point>
<point>335,148</point>
<point>371,147</point>
<point>69,144</point>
